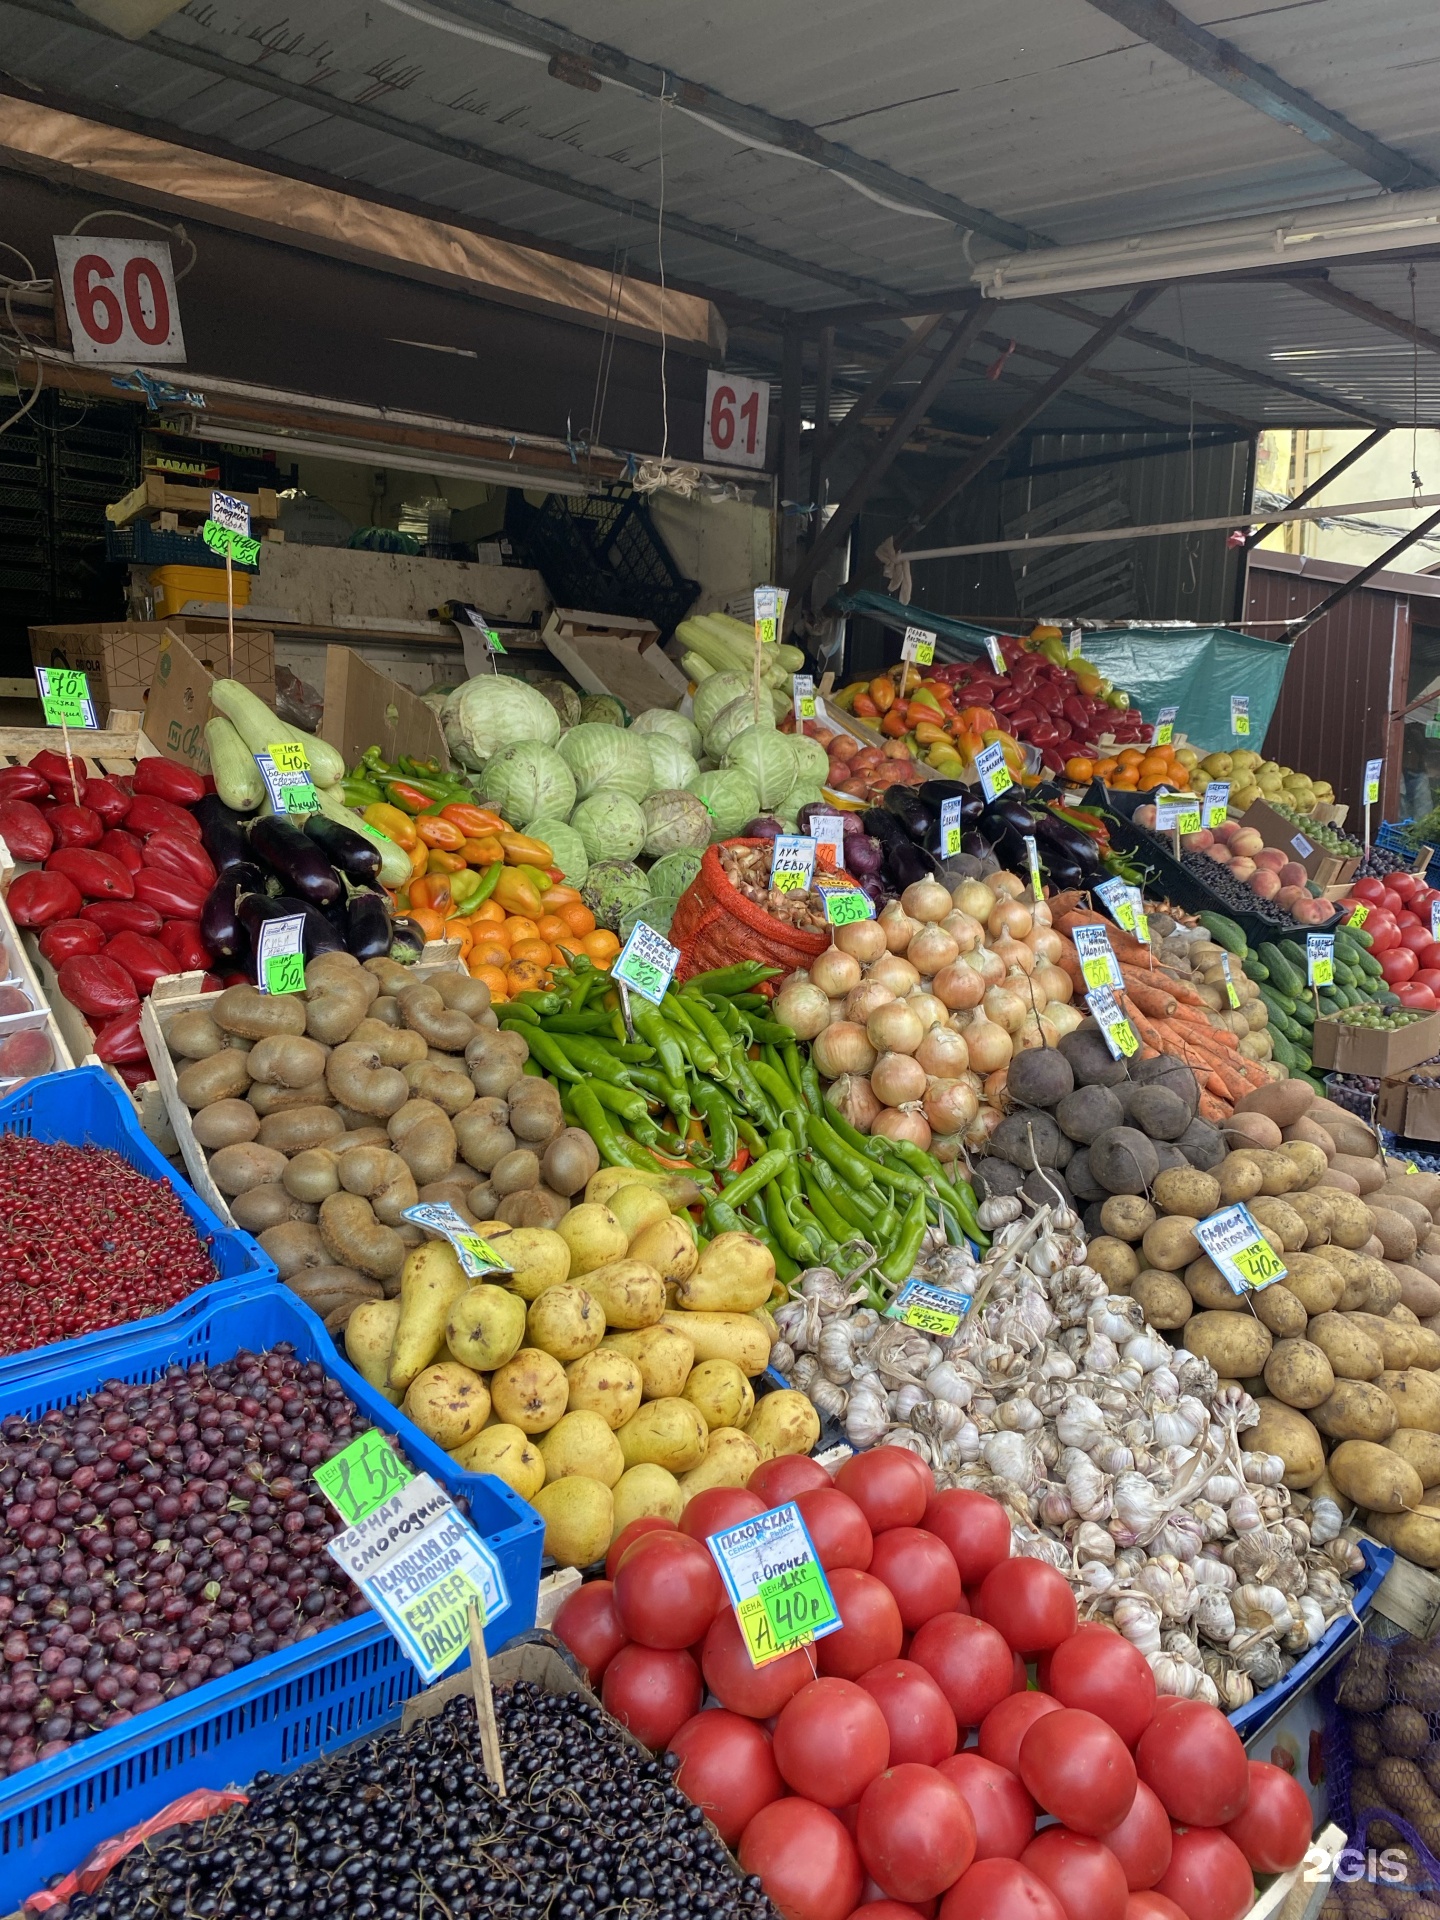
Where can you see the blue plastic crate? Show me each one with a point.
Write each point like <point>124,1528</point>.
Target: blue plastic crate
<point>1250,1721</point>
<point>339,1686</point>
<point>87,1108</point>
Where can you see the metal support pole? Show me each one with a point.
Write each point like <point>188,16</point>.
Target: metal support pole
<point>1367,572</point>
<point>791,373</point>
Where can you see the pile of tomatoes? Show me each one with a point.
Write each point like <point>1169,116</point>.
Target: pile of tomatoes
<point>898,1769</point>
<point>1397,917</point>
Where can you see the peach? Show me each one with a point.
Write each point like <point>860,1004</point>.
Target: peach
<point>1313,913</point>
<point>24,1054</point>
<point>1242,869</point>
<point>1270,857</point>
<point>1144,816</point>
<point>1265,883</point>
<point>1221,855</point>
<point>1293,874</point>
<point>1247,841</point>
<point>1227,830</point>
<point>1197,842</point>
<point>1287,897</point>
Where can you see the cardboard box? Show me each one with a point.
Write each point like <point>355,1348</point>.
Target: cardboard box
<point>1408,1109</point>
<point>178,705</point>
<point>1340,1048</point>
<point>1291,839</point>
<point>120,657</point>
<point>366,708</point>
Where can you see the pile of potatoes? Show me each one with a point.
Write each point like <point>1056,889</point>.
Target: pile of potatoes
<point>325,1114</point>
<point>607,1375</point>
<point>1343,1354</point>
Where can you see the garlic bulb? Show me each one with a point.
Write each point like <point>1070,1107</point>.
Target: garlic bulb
<point>865,1418</point>
<point>1326,1520</point>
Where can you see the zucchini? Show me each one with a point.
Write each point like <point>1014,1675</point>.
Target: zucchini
<point>237,778</point>
<point>260,729</point>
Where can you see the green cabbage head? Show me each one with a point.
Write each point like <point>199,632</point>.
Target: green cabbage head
<point>670,760</point>
<point>494,711</point>
<point>666,720</point>
<point>566,847</point>
<point>766,757</point>
<point>675,822</point>
<point>609,758</point>
<point>730,799</point>
<point>610,825</point>
<point>526,781</point>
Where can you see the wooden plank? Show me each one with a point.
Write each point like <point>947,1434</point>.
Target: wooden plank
<point>615,662</point>
<point>1410,1597</point>
<point>95,749</point>
<point>155,494</point>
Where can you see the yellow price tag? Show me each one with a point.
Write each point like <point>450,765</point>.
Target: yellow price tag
<point>289,757</point>
<point>1096,971</point>
<point>1258,1264</point>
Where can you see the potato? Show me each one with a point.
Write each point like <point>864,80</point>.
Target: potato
<point>723,1336</point>
<point>730,1458</point>
<point>1413,1288</point>
<point>783,1422</point>
<point>665,1433</point>
<point>1236,1345</point>
<point>1277,1308</point>
<point>721,1392</point>
<point>606,1383</point>
<point>669,1246</point>
<point>594,1236</point>
<point>1125,1216</point>
<point>1251,1130</point>
<point>1299,1373</point>
<point>1313,1281</point>
<point>369,1336</point>
<point>1209,1288</point>
<point>1164,1300</point>
<point>663,1355</point>
<point>1374,1477</point>
<point>1397,1342</point>
<point>1282,1219</point>
<point>1351,1223</point>
<point>448,1402</point>
<point>1417,1397</point>
<point>1421,1448</point>
<point>1289,1433</point>
<point>1283,1101</point>
<point>1396,1234</point>
<point>529,1391</point>
<point>735,1273</point>
<point>1171,1244</point>
<point>1114,1260</point>
<point>1357,1410</point>
<point>1314,1210</point>
<point>507,1453</point>
<point>1407,1205</point>
<point>1351,1351</point>
<point>1185,1190</point>
<point>646,1492</point>
<point>1308,1158</point>
<point>1239,1178</point>
<point>628,1293</point>
<point>579,1516</point>
<point>1308,1128</point>
<point>581,1442</point>
<point>1427,1346</point>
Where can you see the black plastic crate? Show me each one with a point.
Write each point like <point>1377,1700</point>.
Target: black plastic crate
<point>601,553</point>
<point>142,544</point>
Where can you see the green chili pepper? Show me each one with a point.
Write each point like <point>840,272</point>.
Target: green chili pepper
<point>725,1012</point>
<point>750,1136</point>
<point>865,1212</point>
<point>750,1092</point>
<point>803,1218</point>
<point>622,1100</point>
<point>793,1239</point>
<point>360,793</point>
<point>649,1080</point>
<point>778,1089</point>
<point>550,1054</point>
<point>757,1175</point>
<point>713,1031</point>
<point>743,977</point>
<point>852,1167</point>
<point>714,1110</point>
<point>831,1222</point>
<point>590,1115</point>
<point>581,1023</point>
<point>595,1059</point>
<point>517,1016</point>
<point>899,1263</point>
<point>540,1004</point>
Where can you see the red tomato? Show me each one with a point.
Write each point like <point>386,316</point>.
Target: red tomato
<point>1430,955</point>
<point>919,1569</point>
<point>1105,1674</point>
<point>1084,1876</point>
<point>628,1535</point>
<point>1000,1890</point>
<point>726,1766</point>
<point>1192,1759</point>
<point>888,1484</point>
<point>717,1508</point>
<point>737,1683</point>
<point>1368,889</point>
<point>1149,1905</point>
<point>1390,899</point>
<point>1141,1842</point>
<point>830,1742</point>
<point>1208,1877</point>
<point>652,1691</point>
<point>667,1591</point>
<point>974,1527</point>
<point>1042,1664</point>
<point>872,1628</point>
<point>1416,938</point>
<point>1398,965</point>
<point>787,1475</point>
<point>1383,931</point>
<point>915,1833</point>
<point>921,1721</point>
<point>1079,1769</point>
<point>889,1910</point>
<point>838,1530</point>
<point>1427,977</point>
<point>1007,1724</point>
<point>806,1861</point>
<point>968,1661</point>
<point>1003,1811</point>
<point>1273,1830</point>
<point>1416,995</point>
<point>590,1627</point>
<point>1030,1603</point>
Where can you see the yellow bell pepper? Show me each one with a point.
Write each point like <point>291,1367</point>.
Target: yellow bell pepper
<point>394,824</point>
<point>520,851</point>
<point>517,894</point>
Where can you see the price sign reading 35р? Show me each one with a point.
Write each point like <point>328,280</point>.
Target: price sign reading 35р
<point>995,777</point>
<point>1240,1250</point>
<point>775,1583</point>
<point>647,963</point>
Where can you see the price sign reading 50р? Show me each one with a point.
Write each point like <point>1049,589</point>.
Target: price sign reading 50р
<point>1097,957</point>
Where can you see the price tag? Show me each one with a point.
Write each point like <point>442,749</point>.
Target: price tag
<point>241,548</point>
<point>1432,727</point>
<point>844,902</point>
<point>1073,644</point>
<point>775,1582</point>
<point>1231,991</point>
<point>1142,923</point>
<point>1301,845</point>
<point>1216,805</point>
<point>280,955</point>
<point>995,776</point>
<point>422,1566</point>
<point>229,512</point>
<point>1359,914</point>
<point>804,690</point>
<point>476,1256</point>
<point>1320,959</point>
<point>1240,715</point>
<point>829,832</point>
<point>1372,782</point>
<point>1116,895</point>
<point>932,1309</point>
<point>950,828</point>
<point>65,696</point>
<point>289,785</point>
<point>1435,919</point>
<point>1164,731</point>
<point>992,647</point>
<point>1178,810</point>
<point>1240,1250</point>
<point>919,646</point>
<point>1120,1037</point>
<point>483,628</point>
<point>792,862</point>
<point>363,1476</point>
<point>1096,956</point>
<point>770,613</point>
<point>647,963</point>
<point>1032,854</point>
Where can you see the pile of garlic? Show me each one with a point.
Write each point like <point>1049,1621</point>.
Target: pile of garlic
<point>1117,1456</point>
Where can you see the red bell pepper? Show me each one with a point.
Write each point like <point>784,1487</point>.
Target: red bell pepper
<point>169,782</point>
<point>96,874</point>
<point>118,1043</point>
<point>75,826</point>
<point>66,777</point>
<point>143,959</point>
<point>64,939</point>
<point>121,916</point>
<point>35,899</point>
<point>148,813</point>
<point>173,854</point>
<point>25,830</point>
<point>97,986</point>
<point>231,979</point>
<point>23,783</point>
<point>102,796</point>
<point>182,937</point>
<point>124,847</point>
<point>176,896</point>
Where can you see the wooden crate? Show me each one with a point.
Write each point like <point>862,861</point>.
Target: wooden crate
<point>156,496</point>
<point>95,750</point>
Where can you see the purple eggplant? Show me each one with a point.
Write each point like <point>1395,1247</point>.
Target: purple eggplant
<point>295,857</point>
<point>348,852</point>
<point>222,833</point>
<point>367,926</point>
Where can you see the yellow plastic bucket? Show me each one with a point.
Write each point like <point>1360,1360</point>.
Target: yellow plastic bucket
<point>176,587</point>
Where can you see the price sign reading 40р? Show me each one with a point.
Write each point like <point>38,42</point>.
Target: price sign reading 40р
<point>362,1477</point>
<point>647,963</point>
<point>775,1583</point>
<point>65,696</point>
<point>1240,1250</point>
<point>285,769</point>
<point>1096,957</point>
<point>932,1309</point>
<point>918,646</point>
<point>280,955</point>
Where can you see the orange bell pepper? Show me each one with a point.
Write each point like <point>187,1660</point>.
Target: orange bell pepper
<point>895,724</point>
<point>864,708</point>
<point>521,851</point>
<point>968,743</point>
<point>438,861</point>
<point>927,732</point>
<point>436,831</point>
<point>432,890</point>
<point>419,859</point>
<point>394,824</point>
<point>517,894</point>
<point>486,852</point>
<point>977,719</point>
<point>474,822</point>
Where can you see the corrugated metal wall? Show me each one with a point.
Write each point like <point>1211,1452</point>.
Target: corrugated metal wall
<point>1346,676</point>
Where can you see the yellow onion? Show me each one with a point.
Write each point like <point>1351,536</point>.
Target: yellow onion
<point>976,1136</point>
<point>990,1046</point>
<point>803,1006</point>
<point>899,929</point>
<point>946,1147</point>
<point>992,1088</point>
<point>963,930</point>
<point>959,986</point>
<point>1064,1019</point>
<point>975,898</point>
<point>1044,917</point>
<point>1017,956</point>
<point>930,1011</point>
<point>1009,921</point>
<point>1035,1031</point>
<point>852,1098</point>
<point>896,1078</point>
<point>894,1028</point>
<point>950,1105</point>
<point>862,1001</point>
<point>992,967</point>
<point>1005,1008</point>
<point>904,1123</point>
<point>1044,943</point>
<point>835,972</point>
<point>1009,884</point>
<point>891,971</point>
<point>931,949</point>
<point>943,1053</point>
<point>1055,981</point>
<point>864,938</point>
<point>842,1048</point>
<point>926,900</point>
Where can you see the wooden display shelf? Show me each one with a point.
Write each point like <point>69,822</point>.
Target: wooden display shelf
<point>157,495</point>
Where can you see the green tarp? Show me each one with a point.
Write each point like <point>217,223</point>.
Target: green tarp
<point>1196,669</point>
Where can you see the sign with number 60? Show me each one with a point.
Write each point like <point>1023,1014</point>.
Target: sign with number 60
<point>119,298</point>
<point>737,412</point>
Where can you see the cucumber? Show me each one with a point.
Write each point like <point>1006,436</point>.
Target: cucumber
<point>1223,931</point>
<point>1304,1013</point>
<point>1283,971</point>
<point>1281,1049</point>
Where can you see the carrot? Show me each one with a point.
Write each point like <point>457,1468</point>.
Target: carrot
<point>1150,999</point>
<point>1214,1109</point>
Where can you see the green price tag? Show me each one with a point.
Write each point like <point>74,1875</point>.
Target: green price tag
<point>241,547</point>
<point>845,905</point>
<point>285,973</point>
<point>65,697</point>
<point>787,1611</point>
<point>362,1476</point>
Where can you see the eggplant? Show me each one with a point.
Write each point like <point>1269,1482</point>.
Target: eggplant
<point>348,852</point>
<point>320,935</point>
<point>884,827</point>
<point>1075,847</point>
<point>934,793</point>
<point>222,833</point>
<point>367,926</point>
<point>407,942</point>
<point>220,926</point>
<point>976,845</point>
<point>300,863</point>
<point>918,820</point>
<point>907,863</point>
<point>1010,812</point>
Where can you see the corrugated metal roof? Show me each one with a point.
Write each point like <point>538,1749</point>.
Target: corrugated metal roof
<point>1051,117</point>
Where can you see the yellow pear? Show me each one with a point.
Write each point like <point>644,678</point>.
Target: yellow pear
<point>448,1402</point>
<point>644,1492</point>
<point>579,1516</point>
<point>594,1236</point>
<point>637,1207</point>
<point>431,1281</point>
<point>539,1258</point>
<point>507,1453</point>
<point>485,1327</point>
<point>581,1442</point>
<point>566,1321</point>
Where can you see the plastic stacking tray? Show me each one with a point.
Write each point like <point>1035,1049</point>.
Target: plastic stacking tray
<point>344,1683</point>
